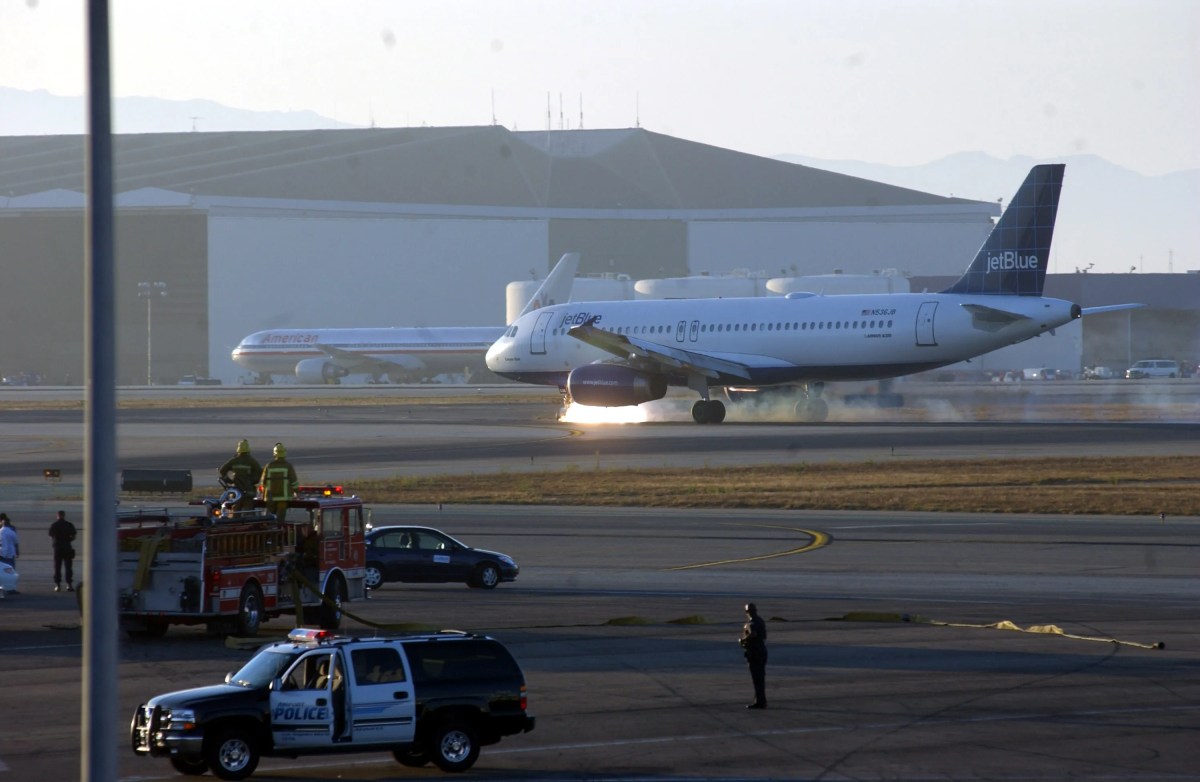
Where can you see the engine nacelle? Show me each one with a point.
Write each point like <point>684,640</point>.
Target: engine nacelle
<point>317,371</point>
<point>609,385</point>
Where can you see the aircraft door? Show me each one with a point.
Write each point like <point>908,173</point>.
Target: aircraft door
<point>537,340</point>
<point>680,331</point>
<point>925,335</point>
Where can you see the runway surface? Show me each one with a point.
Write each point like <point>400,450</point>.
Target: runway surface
<point>882,664</point>
<point>491,429</point>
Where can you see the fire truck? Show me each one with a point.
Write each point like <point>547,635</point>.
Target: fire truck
<point>210,563</point>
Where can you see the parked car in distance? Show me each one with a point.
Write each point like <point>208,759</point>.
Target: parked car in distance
<point>1153,367</point>
<point>423,554</point>
<point>196,380</point>
<point>1098,373</point>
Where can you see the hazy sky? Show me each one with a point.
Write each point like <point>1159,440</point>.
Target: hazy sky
<point>886,81</point>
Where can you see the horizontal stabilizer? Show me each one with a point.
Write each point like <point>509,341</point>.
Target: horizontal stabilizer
<point>1110,308</point>
<point>990,318</point>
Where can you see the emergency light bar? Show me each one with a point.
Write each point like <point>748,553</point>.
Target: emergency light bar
<point>308,635</point>
<point>324,491</point>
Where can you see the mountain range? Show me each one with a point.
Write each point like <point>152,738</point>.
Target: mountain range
<point>1111,219</point>
<point>1109,216</point>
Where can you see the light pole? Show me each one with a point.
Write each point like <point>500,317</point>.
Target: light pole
<point>150,291</point>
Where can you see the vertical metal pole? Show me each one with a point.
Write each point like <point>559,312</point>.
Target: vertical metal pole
<point>99,715</point>
<point>149,341</point>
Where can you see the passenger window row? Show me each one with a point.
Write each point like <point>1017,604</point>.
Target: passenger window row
<point>834,325</point>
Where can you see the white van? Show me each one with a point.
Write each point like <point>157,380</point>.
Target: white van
<point>1153,367</point>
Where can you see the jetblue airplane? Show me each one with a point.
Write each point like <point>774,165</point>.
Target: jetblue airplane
<point>316,356</point>
<point>613,354</point>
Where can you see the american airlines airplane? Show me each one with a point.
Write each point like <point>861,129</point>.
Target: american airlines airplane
<point>613,354</point>
<point>316,356</point>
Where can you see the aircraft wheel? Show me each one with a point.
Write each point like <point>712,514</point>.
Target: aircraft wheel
<point>707,411</point>
<point>812,410</point>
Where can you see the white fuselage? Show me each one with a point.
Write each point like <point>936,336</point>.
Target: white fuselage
<point>799,338</point>
<point>437,349</point>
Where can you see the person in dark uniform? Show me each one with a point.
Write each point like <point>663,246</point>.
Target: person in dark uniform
<point>245,470</point>
<point>62,532</point>
<point>278,482</point>
<point>754,647</point>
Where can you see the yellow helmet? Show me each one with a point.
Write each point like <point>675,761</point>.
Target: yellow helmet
<point>243,446</point>
<point>280,452</point>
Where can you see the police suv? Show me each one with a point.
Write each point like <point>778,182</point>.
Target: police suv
<point>434,697</point>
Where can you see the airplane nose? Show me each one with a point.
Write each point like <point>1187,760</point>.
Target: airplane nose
<point>494,356</point>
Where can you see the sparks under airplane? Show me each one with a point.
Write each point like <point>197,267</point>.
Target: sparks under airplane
<point>619,353</point>
<point>316,356</point>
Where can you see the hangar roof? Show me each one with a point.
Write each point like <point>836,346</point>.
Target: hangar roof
<point>482,166</point>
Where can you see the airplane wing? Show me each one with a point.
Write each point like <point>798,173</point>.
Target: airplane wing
<point>652,355</point>
<point>358,362</point>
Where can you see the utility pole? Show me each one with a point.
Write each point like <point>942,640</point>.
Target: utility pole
<point>150,291</point>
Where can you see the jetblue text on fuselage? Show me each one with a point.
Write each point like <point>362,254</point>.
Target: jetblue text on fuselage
<point>576,319</point>
<point>1009,259</point>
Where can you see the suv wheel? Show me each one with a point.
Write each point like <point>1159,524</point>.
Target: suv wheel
<point>231,755</point>
<point>454,746</point>
<point>192,767</point>
<point>413,757</point>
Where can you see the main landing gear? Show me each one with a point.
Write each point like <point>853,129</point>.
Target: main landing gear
<point>708,411</point>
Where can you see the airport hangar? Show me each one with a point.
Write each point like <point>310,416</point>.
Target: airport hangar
<point>416,227</point>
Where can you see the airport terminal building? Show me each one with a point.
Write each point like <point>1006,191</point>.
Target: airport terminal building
<point>223,234</point>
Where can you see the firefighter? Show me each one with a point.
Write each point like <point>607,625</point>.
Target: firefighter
<point>245,469</point>
<point>278,482</point>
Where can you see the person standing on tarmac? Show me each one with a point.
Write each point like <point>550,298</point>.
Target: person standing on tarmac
<point>245,469</point>
<point>278,482</point>
<point>754,646</point>
<point>62,533</point>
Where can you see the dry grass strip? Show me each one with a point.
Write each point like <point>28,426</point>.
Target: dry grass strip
<point>1102,485</point>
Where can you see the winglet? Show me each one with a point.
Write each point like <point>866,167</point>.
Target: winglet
<point>1014,257</point>
<point>556,288</point>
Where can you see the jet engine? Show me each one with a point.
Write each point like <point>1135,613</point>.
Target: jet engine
<point>318,371</point>
<point>609,385</point>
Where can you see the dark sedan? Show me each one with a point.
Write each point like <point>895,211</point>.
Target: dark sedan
<point>424,554</point>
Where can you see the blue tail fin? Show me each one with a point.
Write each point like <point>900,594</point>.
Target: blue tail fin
<point>1014,258</point>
